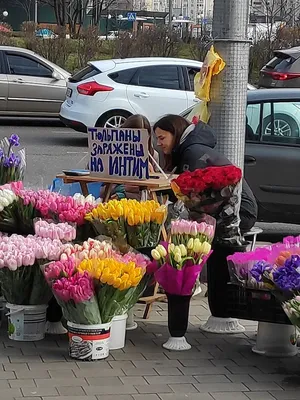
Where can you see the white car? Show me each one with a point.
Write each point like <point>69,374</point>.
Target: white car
<point>105,93</point>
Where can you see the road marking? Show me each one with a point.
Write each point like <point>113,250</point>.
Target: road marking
<point>62,131</point>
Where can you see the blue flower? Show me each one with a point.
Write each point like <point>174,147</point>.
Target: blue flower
<point>1,152</point>
<point>259,268</point>
<point>11,161</point>
<point>288,277</point>
<point>14,140</point>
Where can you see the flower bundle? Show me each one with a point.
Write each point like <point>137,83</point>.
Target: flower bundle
<point>215,191</point>
<point>62,231</point>
<point>96,290</point>
<point>177,267</point>
<point>21,279</point>
<point>137,224</point>
<point>183,230</point>
<point>292,309</point>
<point>8,201</point>
<point>89,249</point>
<point>12,163</point>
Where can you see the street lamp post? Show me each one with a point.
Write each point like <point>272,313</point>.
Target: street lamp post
<point>5,14</point>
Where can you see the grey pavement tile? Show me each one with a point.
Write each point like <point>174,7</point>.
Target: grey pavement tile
<point>21,383</point>
<point>139,372</point>
<point>203,370</point>
<point>263,386</point>
<point>116,390</point>
<point>39,392</point>
<point>223,363</point>
<point>27,374</point>
<point>244,370</point>
<point>109,380</point>
<point>240,378</point>
<point>158,363</point>
<point>133,380</point>
<point>146,396</point>
<point>66,398</point>
<point>122,356</point>
<point>154,356</point>
<point>67,373</point>
<point>230,396</point>
<point>45,383</point>
<point>183,388</point>
<point>221,387</point>
<point>7,375</point>
<point>212,379</point>
<point>188,396</point>
<point>9,394</point>
<point>98,372</point>
<point>28,398</point>
<point>172,379</point>
<point>122,364</point>
<point>56,365</point>
<point>4,385</point>
<point>167,371</point>
<point>15,367</point>
<point>260,396</point>
<point>70,391</point>
<point>197,362</point>
<point>25,359</point>
<point>148,389</point>
<point>269,377</point>
<point>286,395</point>
<point>101,365</point>
<point>113,397</point>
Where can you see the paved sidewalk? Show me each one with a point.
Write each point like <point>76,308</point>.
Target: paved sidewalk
<point>217,367</point>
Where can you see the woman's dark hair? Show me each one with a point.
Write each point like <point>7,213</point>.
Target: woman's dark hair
<point>138,121</point>
<point>176,125</point>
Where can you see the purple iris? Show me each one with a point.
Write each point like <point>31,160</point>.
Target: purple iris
<point>14,140</point>
<point>1,153</point>
<point>12,161</point>
<point>288,277</point>
<point>258,270</point>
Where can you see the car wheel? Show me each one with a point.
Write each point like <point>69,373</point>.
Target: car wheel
<point>284,125</point>
<point>113,119</point>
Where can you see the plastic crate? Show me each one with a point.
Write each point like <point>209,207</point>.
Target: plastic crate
<point>255,305</point>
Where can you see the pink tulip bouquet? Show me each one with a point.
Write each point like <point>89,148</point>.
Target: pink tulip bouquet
<point>74,292</point>
<point>62,231</point>
<point>21,278</point>
<point>182,231</point>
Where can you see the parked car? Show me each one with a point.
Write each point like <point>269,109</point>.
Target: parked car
<point>111,35</point>
<point>282,71</point>
<point>272,152</point>
<point>30,85</point>
<point>105,93</point>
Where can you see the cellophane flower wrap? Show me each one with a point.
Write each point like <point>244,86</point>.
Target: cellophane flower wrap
<point>215,191</point>
<point>129,222</point>
<point>74,292</point>
<point>177,265</point>
<point>66,232</point>
<point>93,290</point>
<point>279,272</point>
<point>21,279</point>
<point>12,161</point>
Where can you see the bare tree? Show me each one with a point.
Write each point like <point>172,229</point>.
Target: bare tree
<point>26,5</point>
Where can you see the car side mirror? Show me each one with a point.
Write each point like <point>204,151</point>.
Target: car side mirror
<point>56,76</point>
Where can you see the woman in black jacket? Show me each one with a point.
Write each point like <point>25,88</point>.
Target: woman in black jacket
<point>188,147</point>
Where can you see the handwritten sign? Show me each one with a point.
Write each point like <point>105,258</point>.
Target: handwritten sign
<point>121,153</point>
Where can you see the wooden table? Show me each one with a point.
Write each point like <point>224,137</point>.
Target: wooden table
<point>151,186</point>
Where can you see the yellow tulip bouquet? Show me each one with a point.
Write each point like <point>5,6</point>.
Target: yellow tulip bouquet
<point>177,265</point>
<point>96,290</point>
<point>138,224</point>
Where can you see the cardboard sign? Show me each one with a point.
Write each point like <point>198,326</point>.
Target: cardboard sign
<point>121,153</point>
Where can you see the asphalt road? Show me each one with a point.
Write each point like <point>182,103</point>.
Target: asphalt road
<point>51,147</point>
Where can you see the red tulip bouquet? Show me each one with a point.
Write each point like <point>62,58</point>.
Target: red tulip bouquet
<point>215,191</point>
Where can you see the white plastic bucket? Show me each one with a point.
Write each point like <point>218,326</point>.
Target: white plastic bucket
<point>276,340</point>
<point>118,332</point>
<point>26,323</point>
<point>88,342</point>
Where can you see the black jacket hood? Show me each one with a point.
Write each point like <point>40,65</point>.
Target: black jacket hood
<point>201,134</point>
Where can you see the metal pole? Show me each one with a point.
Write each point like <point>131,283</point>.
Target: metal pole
<point>170,14</point>
<point>229,89</point>
<point>36,12</point>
